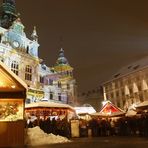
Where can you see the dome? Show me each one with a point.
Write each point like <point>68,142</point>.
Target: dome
<point>61,59</point>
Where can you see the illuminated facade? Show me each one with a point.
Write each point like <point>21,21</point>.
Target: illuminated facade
<point>129,86</point>
<point>20,54</point>
<point>66,80</point>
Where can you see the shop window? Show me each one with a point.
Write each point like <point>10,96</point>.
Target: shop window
<point>15,67</point>
<point>28,73</point>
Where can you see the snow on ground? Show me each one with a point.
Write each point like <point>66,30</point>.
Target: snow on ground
<point>36,136</point>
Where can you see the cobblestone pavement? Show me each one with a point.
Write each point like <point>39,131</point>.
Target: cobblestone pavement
<point>101,142</point>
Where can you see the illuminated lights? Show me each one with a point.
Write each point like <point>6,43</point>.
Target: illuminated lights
<point>1,84</point>
<point>13,86</point>
<point>104,102</point>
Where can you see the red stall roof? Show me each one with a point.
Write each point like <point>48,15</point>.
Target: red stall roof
<point>109,109</point>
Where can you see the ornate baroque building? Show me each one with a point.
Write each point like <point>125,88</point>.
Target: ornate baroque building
<point>20,54</point>
<point>129,86</point>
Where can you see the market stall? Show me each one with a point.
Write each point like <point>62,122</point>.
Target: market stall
<point>44,110</point>
<point>109,110</point>
<point>12,98</point>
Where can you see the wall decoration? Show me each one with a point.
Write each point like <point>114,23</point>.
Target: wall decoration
<point>11,109</point>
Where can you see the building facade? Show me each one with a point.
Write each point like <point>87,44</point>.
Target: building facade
<point>20,54</point>
<point>129,86</point>
<point>66,80</point>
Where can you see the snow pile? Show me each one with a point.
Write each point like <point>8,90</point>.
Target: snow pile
<point>35,136</point>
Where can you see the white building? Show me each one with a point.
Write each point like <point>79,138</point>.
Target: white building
<point>20,54</point>
<point>129,86</point>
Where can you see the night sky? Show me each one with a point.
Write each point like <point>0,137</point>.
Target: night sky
<point>98,36</point>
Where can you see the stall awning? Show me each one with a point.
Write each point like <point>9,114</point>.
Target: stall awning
<point>10,82</point>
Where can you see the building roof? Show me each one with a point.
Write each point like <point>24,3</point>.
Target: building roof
<point>131,68</point>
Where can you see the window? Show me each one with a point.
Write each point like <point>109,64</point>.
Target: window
<point>28,73</point>
<point>136,67</point>
<point>59,96</point>
<point>27,51</point>
<point>15,67</point>
<point>51,95</point>
<point>41,79</point>
<point>59,84</point>
<point>68,86</point>
<point>115,76</point>
<point>50,82</point>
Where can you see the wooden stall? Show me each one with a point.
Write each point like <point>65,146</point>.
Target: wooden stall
<point>44,110</point>
<point>12,98</point>
<point>109,110</point>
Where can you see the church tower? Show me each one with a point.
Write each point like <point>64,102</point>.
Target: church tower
<point>67,81</point>
<point>8,13</point>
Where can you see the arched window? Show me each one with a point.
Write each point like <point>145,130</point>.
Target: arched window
<point>15,67</point>
<point>28,73</point>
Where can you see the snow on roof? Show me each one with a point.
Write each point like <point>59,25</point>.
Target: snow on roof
<point>130,68</point>
<point>83,109</point>
<point>48,104</point>
<point>35,136</point>
<point>142,104</point>
<point>130,113</point>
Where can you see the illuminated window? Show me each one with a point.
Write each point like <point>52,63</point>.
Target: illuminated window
<point>28,73</point>
<point>15,67</point>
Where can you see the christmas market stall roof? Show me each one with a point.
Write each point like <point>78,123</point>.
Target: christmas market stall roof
<point>131,113</point>
<point>142,106</point>
<point>9,81</point>
<point>109,110</point>
<point>48,105</point>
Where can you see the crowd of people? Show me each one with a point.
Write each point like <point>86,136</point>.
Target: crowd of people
<point>123,126</point>
<point>54,126</point>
